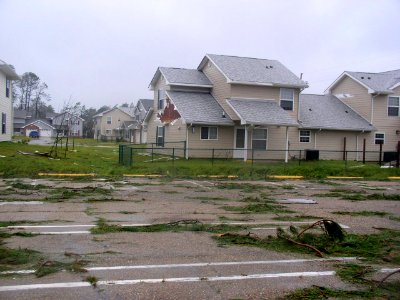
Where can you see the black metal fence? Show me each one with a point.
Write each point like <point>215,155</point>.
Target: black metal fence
<point>130,154</point>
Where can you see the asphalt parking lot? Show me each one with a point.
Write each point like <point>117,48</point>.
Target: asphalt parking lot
<point>55,217</point>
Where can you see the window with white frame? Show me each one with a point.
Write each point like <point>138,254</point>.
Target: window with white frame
<point>393,106</point>
<point>109,120</point>
<point>379,138</point>
<point>209,133</point>
<point>304,136</point>
<point>161,99</point>
<point>160,136</point>
<point>108,131</point>
<point>287,99</point>
<point>259,139</point>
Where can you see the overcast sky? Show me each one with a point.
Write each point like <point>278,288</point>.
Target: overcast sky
<point>106,52</point>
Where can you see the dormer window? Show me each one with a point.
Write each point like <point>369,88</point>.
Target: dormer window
<point>287,99</point>
<point>393,106</point>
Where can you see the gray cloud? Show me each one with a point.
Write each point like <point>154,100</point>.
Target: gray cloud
<point>106,52</point>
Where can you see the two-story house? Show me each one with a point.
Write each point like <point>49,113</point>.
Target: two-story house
<point>7,74</point>
<point>112,124</point>
<point>248,105</point>
<point>67,123</point>
<point>376,97</point>
<point>137,131</point>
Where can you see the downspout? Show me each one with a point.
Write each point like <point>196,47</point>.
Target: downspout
<point>245,143</point>
<point>287,145</point>
<point>187,141</point>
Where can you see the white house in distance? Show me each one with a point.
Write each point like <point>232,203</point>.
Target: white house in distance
<point>7,74</point>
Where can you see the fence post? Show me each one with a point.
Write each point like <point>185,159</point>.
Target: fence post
<point>344,148</point>
<point>345,159</point>
<point>152,152</point>
<point>398,155</point>
<point>173,156</point>
<point>380,153</point>
<point>130,156</point>
<point>212,157</point>
<point>252,156</point>
<point>364,152</point>
<point>299,157</point>
<point>184,149</point>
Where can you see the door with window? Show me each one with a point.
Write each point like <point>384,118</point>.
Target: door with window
<point>239,142</point>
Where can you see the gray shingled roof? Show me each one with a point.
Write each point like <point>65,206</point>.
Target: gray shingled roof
<point>185,76</point>
<point>378,82</point>
<point>255,71</point>
<point>147,103</point>
<point>328,112</point>
<point>127,110</point>
<point>199,108</point>
<point>261,112</point>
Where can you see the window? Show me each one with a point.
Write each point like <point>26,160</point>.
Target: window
<point>8,87</point>
<point>393,106</point>
<point>287,99</point>
<point>3,123</point>
<point>160,136</point>
<point>209,133</point>
<point>108,131</point>
<point>379,138</point>
<point>304,136</point>
<point>109,120</point>
<point>161,99</point>
<point>259,139</point>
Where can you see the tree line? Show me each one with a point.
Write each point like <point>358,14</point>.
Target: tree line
<point>30,94</point>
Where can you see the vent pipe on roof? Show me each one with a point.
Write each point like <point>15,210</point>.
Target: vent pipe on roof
<point>301,75</point>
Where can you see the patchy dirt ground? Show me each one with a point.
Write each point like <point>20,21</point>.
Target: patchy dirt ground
<point>55,218</point>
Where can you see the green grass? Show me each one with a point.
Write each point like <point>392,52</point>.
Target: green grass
<point>188,225</point>
<point>318,292</point>
<point>89,157</point>
<point>353,273</point>
<point>380,247</point>
<point>364,213</point>
<point>262,204</point>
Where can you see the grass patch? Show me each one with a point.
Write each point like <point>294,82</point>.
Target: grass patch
<point>244,187</point>
<point>261,204</point>
<point>318,292</point>
<point>353,273</point>
<point>184,225</point>
<point>379,247</point>
<point>92,280</point>
<point>364,213</point>
<point>15,257</point>
<point>296,218</point>
<point>89,157</point>
<point>50,267</point>
<point>205,198</point>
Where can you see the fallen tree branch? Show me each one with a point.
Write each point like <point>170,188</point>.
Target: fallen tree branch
<point>387,276</point>
<point>318,253</point>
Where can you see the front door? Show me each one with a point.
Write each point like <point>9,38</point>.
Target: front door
<point>239,140</point>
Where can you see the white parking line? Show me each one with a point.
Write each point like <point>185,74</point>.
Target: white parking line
<point>163,280</point>
<point>198,184</point>
<point>60,232</point>
<point>205,264</point>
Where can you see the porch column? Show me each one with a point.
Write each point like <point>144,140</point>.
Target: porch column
<point>287,145</point>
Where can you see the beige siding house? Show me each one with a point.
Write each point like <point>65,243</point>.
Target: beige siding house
<point>246,108</point>
<point>376,97</point>
<point>111,124</point>
<point>7,74</point>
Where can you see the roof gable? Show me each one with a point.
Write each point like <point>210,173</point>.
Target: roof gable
<point>181,77</point>
<point>253,71</point>
<point>40,124</point>
<point>375,83</point>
